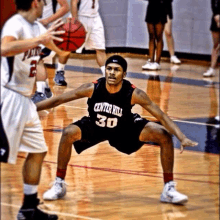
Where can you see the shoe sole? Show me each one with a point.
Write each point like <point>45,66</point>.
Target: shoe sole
<point>164,200</point>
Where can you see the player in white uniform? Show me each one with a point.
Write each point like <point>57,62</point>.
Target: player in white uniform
<point>53,10</point>
<point>22,39</point>
<point>87,11</point>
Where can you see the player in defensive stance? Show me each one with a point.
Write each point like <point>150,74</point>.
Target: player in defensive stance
<point>110,101</point>
<point>20,128</point>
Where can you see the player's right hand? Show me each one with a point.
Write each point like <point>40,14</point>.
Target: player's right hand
<point>52,33</point>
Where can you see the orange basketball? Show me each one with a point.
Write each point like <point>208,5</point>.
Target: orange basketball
<point>74,36</point>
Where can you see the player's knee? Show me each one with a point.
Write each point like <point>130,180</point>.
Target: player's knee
<point>168,34</point>
<point>71,132</point>
<point>166,137</point>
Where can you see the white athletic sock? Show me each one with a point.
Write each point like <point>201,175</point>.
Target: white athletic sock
<point>60,66</point>
<point>41,85</point>
<point>30,189</point>
<point>103,70</point>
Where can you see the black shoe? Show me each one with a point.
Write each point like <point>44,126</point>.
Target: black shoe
<point>48,93</point>
<point>34,214</point>
<point>59,78</point>
<point>38,97</point>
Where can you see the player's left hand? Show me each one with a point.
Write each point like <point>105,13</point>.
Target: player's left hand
<point>186,142</point>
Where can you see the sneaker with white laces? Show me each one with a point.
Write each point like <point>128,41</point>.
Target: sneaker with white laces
<point>175,60</point>
<point>150,66</point>
<point>210,72</point>
<point>59,78</point>
<point>170,195</point>
<point>57,191</point>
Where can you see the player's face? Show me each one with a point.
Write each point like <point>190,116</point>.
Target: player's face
<point>114,74</point>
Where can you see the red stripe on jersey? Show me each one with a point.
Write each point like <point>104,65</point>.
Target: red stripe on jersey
<point>133,86</point>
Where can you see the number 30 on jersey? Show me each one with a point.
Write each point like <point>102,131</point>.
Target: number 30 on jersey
<point>104,121</point>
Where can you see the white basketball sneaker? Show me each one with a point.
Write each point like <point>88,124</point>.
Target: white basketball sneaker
<point>57,191</point>
<point>151,66</point>
<point>210,72</point>
<point>175,60</point>
<point>170,195</point>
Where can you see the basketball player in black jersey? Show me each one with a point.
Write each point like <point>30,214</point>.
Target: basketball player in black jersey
<point>110,101</point>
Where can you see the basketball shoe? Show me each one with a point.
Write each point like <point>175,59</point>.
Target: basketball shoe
<point>33,213</point>
<point>170,195</point>
<point>151,66</point>
<point>39,96</point>
<point>210,72</point>
<point>175,60</point>
<point>58,190</point>
<point>59,78</point>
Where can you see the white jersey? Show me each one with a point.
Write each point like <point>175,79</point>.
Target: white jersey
<point>88,8</point>
<point>18,72</point>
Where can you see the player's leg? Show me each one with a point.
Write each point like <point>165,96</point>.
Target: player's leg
<point>156,133</point>
<point>32,141</point>
<point>159,28</point>
<point>170,41</point>
<point>59,77</point>
<point>215,30</point>
<point>150,65</point>
<point>214,55</point>
<point>96,41</point>
<point>43,90</point>
<point>70,134</point>
<point>101,58</point>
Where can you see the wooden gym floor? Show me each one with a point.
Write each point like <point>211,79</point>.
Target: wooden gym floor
<point>104,184</point>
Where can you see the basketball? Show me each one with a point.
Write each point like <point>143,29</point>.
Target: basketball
<point>74,35</point>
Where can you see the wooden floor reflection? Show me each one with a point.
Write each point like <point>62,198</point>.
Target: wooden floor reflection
<point>107,185</point>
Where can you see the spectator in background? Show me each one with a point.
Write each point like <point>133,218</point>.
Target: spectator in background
<point>156,18</point>
<point>215,29</point>
<point>168,33</point>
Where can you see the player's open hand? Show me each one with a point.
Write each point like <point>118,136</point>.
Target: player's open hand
<point>187,143</point>
<point>52,33</point>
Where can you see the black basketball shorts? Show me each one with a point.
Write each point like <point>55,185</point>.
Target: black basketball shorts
<point>125,140</point>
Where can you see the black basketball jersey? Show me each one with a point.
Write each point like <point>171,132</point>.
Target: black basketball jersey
<point>111,112</point>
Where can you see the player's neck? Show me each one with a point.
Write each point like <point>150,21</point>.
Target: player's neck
<point>113,88</point>
<point>28,15</point>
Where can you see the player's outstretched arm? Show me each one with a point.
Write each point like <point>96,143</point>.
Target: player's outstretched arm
<point>141,98</point>
<point>64,8</point>
<point>10,46</point>
<point>85,90</point>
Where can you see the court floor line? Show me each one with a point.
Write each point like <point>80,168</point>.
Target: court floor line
<point>129,172</point>
<point>144,116</point>
<point>58,213</point>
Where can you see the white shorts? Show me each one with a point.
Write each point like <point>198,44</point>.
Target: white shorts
<point>20,126</point>
<point>95,37</point>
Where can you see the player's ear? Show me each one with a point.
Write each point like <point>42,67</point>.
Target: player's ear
<point>124,74</point>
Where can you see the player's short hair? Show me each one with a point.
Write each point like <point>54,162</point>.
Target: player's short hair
<point>119,60</point>
<point>23,5</point>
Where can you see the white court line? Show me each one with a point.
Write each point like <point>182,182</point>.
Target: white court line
<point>58,213</point>
<point>189,122</point>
